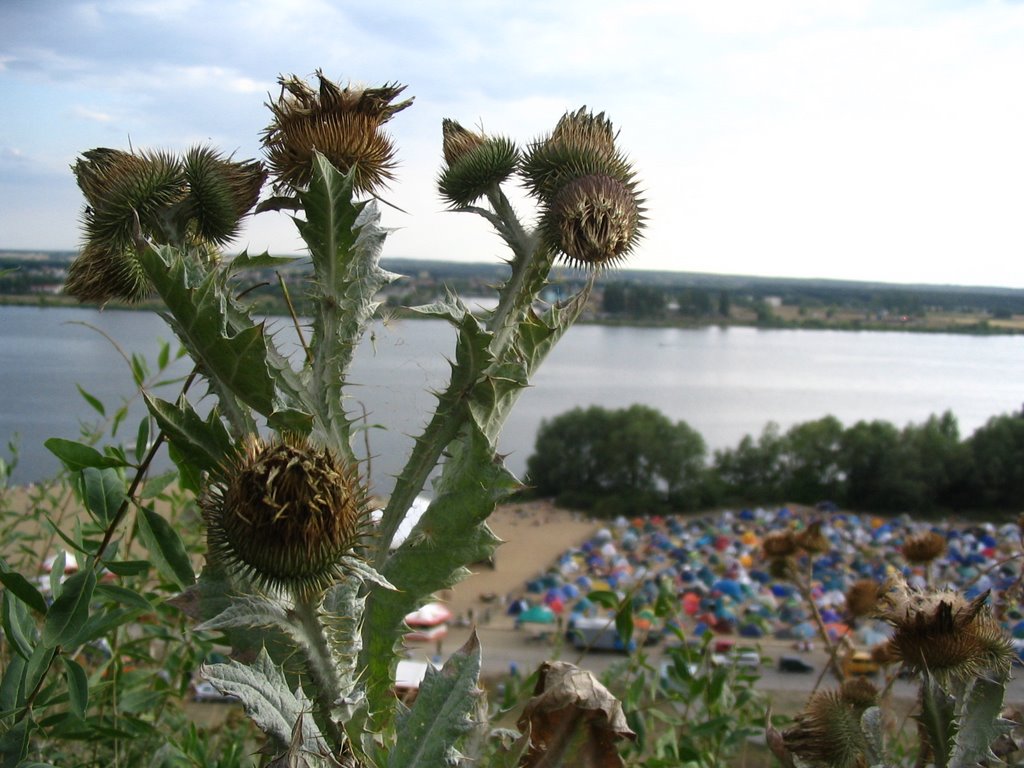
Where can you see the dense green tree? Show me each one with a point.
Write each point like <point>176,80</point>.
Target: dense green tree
<point>875,466</point>
<point>627,460</point>
<point>753,470</point>
<point>811,454</point>
<point>996,453</point>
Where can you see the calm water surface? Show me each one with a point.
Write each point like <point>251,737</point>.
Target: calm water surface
<point>724,382</point>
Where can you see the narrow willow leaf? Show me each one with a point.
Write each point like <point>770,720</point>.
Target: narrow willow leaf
<point>127,567</point>
<point>78,687</point>
<point>427,735</point>
<point>56,575</point>
<point>70,611</point>
<point>166,548</point>
<point>268,701</point>
<point>125,596</point>
<point>14,744</point>
<point>12,691</point>
<point>205,443</point>
<point>19,628</point>
<point>104,493</point>
<point>164,356</point>
<point>76,456</point>
<point>23,589</point>
<point>91,400</point>
<point>37,667</point>
<point>142,439</point>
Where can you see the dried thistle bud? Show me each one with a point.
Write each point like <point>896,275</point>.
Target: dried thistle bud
<point>593,213</point>
<point>827,732</point>
<point>941,632</point>
<point>924,547</point>
<point>812,540</point>
<point>475,163</point>
<point>284,514</point>
<point>862,597</point>
<point>345,125</point>
<point>594,221</point>
<point>781,568</point>
<point>779,544</point>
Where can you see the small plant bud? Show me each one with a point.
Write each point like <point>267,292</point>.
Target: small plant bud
<point>943,633</point>
<point>343,124</point>
<point>476,163</point>
<point>285,514</point>
<point>859,692</point>
<point>924,547</point>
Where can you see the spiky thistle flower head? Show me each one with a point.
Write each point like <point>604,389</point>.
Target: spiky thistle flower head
<point>779,544</point>
<point>284,514</point>
<point>197,201</point>
<point>345,125</point>
<point>827,732</point>
<point>924,547</point>
<point>475,163</point>
<point>943,633</point>
<point>592,212</point>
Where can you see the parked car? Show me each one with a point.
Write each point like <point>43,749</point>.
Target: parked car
<point>794,664</point>
<point>860,663</point>
<point>204,691</point>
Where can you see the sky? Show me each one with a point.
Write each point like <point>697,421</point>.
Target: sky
<point>876,140</point>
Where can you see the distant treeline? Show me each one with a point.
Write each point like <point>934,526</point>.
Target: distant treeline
<point>635,461</point>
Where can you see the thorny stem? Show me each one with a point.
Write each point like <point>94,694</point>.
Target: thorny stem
<point>804,587</point>
<point>319,662</point>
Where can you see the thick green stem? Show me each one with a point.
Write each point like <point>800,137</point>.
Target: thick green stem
<point>320,663</point>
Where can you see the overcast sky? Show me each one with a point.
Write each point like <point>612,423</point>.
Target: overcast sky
<point>809,138</point>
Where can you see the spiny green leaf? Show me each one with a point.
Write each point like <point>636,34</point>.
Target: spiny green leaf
<point>69,611</point>
<point>267,698</point>
<point>165,548</point>
<point>428,733</point>
<point>980,723</point>
<point>244,261</point>
<point>203,442</point>
<point>235,356</point>
<point>938,718</point>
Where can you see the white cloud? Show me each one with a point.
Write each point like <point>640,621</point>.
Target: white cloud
<point>85,113</point>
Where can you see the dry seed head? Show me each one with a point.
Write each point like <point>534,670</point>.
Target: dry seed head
<point>941,632</point>
<point>779,544</point>
<point>345,125</point>
<point>924,547</point>
<point>457,142</point>
<point>594,221</point>
<point>812,540</point>
<point>883,653</point>
<point>862,597</point>
<point>859,692</point>
<point>284,514</point>
<point>827,732</point>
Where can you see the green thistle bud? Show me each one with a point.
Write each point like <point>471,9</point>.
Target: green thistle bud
<point>221,193</point>
<point>285,514</point>
<point>944,634</point>
<point>198,201</point>
<point>827,732</point>
<point>476,163</point>
<point>343,124</point>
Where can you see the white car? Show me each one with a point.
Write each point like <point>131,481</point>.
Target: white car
<point>204,691</point>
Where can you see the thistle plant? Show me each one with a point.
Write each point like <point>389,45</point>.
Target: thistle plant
<point>308,594</point>
<point>953,647</point>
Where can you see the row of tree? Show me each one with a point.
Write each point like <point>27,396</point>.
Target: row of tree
<point>635,460</point>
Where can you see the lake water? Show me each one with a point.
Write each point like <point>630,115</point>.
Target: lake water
<point>724,382</point>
